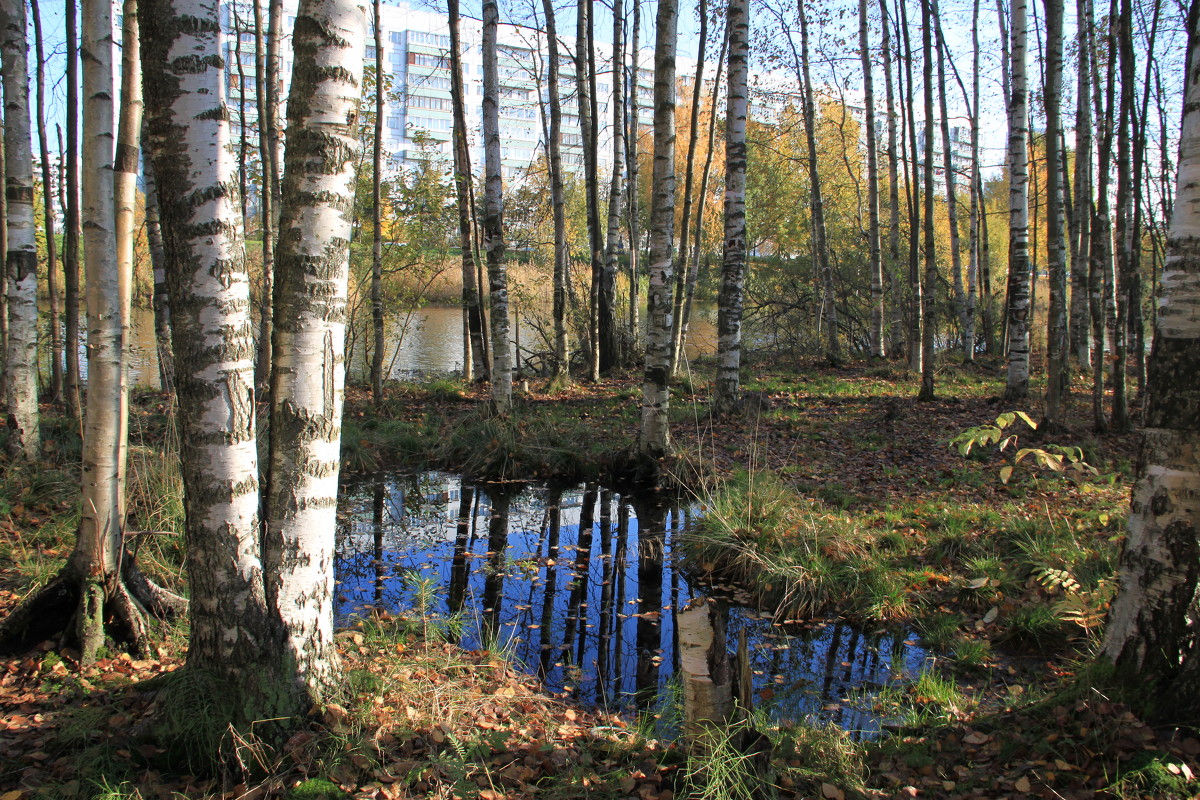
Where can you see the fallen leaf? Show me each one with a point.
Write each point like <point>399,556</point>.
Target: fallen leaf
<point>831,792</point>
<point>1022,784</point>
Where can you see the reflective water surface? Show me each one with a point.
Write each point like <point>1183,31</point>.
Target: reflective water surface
<point>579,585</point>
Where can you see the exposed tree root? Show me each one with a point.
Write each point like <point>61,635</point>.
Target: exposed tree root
<point>63,608</point>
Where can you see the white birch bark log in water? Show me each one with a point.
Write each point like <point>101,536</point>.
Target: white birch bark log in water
<point>1018,310</point>
<point>727,387</point>
<point>655,436</point>
<point>1151,631</point>
<point>493,215</point>
<point>21,359</point>
<point>308,370</point>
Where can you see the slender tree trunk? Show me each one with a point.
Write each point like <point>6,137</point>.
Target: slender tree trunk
<point>833,353</point>
<point>493,220</point>
<point>588,124</point>
<point>960,298</point>
<point>689,173</point>
<point>232,635</point>
<point>1123,229</point>
<point>377,216</point>
<point>928,14</point>
<point>1057,341</point>
<point>476,363</point>
<point>896,333</point>
<point>1018,308</point>
<point>632,203</point>
<point>310,307</point>
<point>609,350</point>
<point>102,521</point>
<point>1140,124</point>
<point>271,142</point>
<point>243,143</point>
<point>733,272</point>
<point>56,342</point>
<point>969,329</point>
<point>158,261</point>
<point>915,304</point>
<point>702,201</point>
<point>562,357</point>
<point>71,232</point>
<point>655,435</point>
<point>1080,322</point>
<point>21,359</point>
<point>1150,635</point>
<point>1100,247</point>
<point>876,260</point>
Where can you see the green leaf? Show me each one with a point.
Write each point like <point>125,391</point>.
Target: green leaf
<point>1005,473</point>
<point>1026,418</point>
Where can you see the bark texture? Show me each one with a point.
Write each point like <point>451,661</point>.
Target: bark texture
<point>20,362</point>
<point>493,215</point>
<point>308,371</point>
<point>232,635</point>
<point>1151,632</point>
<point>1018,309</point>
<point>733,272</point>
<point>656,390</point>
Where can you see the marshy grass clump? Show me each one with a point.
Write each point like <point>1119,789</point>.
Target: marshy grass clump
<point>759,533</point>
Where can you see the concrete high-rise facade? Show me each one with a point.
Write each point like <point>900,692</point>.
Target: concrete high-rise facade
<point>416,63</point>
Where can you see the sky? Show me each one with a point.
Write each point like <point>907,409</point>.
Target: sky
<point>834,32</point>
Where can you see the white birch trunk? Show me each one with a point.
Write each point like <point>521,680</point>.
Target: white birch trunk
<point>1057,344</point>
<point>1080,324</point>
<point>876,262</point>
<point>655,435</point>
<point>101,524</point>
<point>200,213</point>
<point>976,190</point>
<point>1151,632</point>
<point>20,363</point>
<point>1017,381</point>
<point>308,372</point>
<point>493,217</point>
<point>733,272</point>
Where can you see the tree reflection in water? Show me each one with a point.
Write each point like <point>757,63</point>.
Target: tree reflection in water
<point>579,584</point>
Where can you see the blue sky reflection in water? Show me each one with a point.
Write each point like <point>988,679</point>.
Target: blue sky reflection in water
<point>602,638</point>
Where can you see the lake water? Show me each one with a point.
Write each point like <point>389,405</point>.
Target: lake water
<point>427,342</point>
<point>580,586</point>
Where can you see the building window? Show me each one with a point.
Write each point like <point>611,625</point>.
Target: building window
<point>424,60</point>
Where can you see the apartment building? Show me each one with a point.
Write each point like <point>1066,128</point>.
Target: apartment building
<point>416,63</point>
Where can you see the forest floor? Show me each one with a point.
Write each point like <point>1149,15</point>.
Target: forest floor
<point>1007,581</point>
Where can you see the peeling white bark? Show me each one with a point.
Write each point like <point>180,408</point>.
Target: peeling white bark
<point>310,320</point>
<point>20,365</point>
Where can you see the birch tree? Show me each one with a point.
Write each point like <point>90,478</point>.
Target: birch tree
<point>608,283</point>
<point>876,260</point>
<point>1080,319</point>
<point>56,342</point>
<point>655,436</point>
<point>493,217</point>
<point>476,362</point>
<point>71,221</point>
<point>1057,344</point>
<point>1017,381</point>
<point>21,359</point>
<point>930,280</point>
<point>829,319</point>
<point>232,635</point>
<point>733,272</point>
<point>308,369</point>
<point>1150,636</point>
<point>377,217</point>
<point>562,356</point>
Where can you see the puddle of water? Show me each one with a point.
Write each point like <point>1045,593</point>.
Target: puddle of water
<point>579,585</point>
